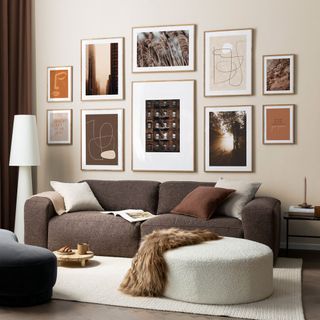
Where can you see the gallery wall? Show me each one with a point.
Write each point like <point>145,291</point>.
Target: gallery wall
<point>280,27</point>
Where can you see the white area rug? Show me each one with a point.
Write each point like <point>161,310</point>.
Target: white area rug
<point>99,282</point>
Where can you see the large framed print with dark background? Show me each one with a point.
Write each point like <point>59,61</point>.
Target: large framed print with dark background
<point>59,84</point>
<point>163,126</point>
<point>163,48</point>
<point>102,139</point>
<point>228,138</point>
<point>59,126</point>
<point>278,74</point>
<point>102,69</point>
<point>278,124</point>
<point>228,62</point>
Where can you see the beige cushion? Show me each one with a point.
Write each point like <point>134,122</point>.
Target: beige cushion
<point>234,204</point>
<point>77,196</point>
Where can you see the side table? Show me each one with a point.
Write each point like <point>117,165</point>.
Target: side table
<point>288,218</point>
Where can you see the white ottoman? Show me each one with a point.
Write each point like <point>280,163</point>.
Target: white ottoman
<point>227,271</point>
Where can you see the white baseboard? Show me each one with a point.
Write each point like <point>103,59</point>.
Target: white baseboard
<point>301,246</point>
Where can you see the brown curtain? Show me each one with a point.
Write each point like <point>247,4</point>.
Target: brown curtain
<point>15,93</point>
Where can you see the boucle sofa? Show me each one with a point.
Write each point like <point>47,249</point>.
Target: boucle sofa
<point>114,236</point>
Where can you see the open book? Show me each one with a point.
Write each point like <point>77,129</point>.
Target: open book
<point>132,215</point>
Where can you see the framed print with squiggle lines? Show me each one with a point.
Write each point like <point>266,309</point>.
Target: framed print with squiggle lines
<point>228,62</point>
<point>59,84</point>
<point>102,139</point>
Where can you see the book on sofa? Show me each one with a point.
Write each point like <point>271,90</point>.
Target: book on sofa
<point>132,215</point>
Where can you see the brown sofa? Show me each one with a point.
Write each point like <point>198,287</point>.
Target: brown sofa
<point>114,236</point>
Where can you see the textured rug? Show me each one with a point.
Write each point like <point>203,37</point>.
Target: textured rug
<point>99,282</point>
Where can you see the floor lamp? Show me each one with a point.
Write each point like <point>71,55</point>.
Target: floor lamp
<point>24,154</point>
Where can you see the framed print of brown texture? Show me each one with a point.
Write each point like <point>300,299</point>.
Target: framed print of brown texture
<point>102,139</point>
<point>163,126</point>
<point>102,69</point>
<point>278,124</point>
<point>278,74</point>
<point>228,62</point>
<point>163,48</point>
<point>59,126</point>
<point>228,138</point>
<point>59,84</point>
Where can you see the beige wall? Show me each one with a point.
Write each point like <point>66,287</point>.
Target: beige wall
<point>286,26</point>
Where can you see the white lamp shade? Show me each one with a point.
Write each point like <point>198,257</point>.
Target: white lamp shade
<point>24,144</point>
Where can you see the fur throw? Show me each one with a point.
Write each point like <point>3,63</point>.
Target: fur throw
<point>147,275</point>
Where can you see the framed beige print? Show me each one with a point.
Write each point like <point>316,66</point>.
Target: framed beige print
<point>59,84</point>
<point>228,138</point>
<point>278,124</point>
<point>278,74</point>
<point>163,48</point>
<point>228,62</point>
<point>163,126</point>
<point>102,69</point>
<point>102,139</point>
<point>59,126</point>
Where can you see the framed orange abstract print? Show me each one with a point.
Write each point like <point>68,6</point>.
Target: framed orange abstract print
<point>278,124</point>
<point>59,84</point>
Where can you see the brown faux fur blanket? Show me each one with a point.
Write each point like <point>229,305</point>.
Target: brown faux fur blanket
<point>148,273</point>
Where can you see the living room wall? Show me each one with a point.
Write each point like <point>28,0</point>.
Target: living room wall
<point>280,27</point>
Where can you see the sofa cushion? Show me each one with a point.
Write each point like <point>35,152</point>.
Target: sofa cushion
<point>171,193</point>
<point>224,226</point>
<point>106,234</point>
<point>126,194</point>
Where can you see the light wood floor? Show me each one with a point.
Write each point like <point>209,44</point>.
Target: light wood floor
<point>66,310</point>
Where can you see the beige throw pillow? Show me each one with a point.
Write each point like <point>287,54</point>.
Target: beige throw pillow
<point>77,196</point>
<point>234,204</point>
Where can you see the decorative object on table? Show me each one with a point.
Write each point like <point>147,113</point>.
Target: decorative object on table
<point>102,69</point>
<point>163,48</point>
<point>59,126</point>
<point>305,205</point>
<point>24,154</point>
<point>162,125</point>
<point>228,138</point>
<point>75,257</point>
<point>317,211</point>
<point>82,248</point>
<point>278,124</point>
<point>297,211</point>
<point>59,84</point>
<point>228,62</point>
<point>278,74</point>
<point>102,139</point>
<point>65,250</point>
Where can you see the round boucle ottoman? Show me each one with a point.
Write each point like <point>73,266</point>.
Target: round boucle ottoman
<point>227,271</point>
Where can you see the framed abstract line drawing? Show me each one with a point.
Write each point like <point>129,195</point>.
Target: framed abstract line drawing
<point>163,126</point>
<point>102,69</point>
<point>278,74</point>
<point>228,62</point>
<point>163,48</point>
<point>59,84</point>
<point>278,124</point>
<point>228,138</point>
<point>59,127</point>
<point>102,139</point>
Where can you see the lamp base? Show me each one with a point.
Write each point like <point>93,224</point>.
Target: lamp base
<point>24,192</point>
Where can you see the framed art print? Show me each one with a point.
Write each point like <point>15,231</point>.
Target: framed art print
<point>278,74</point>
<point>228,62</point>
<point>278,124</point>
<point>163,48</point>
<point>163,126</point>
<point>102,139</point>
<point>102,69</point>
<point>59,126</point>
<point>59,84</point>
<point>228,138</point>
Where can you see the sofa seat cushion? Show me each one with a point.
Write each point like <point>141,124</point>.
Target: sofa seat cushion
<point>106,234</point>
<point>224,226</point>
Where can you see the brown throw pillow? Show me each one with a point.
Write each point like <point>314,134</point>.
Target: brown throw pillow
<point>202,202</point>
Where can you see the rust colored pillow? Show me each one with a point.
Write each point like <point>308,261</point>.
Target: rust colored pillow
<point>202,202</point>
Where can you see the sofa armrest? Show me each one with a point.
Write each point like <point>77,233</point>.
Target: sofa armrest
<point>37,213</point>
<point>261,222</point>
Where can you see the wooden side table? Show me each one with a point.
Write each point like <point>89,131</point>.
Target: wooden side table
<point>82,258</point>
<point>288,218</point>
